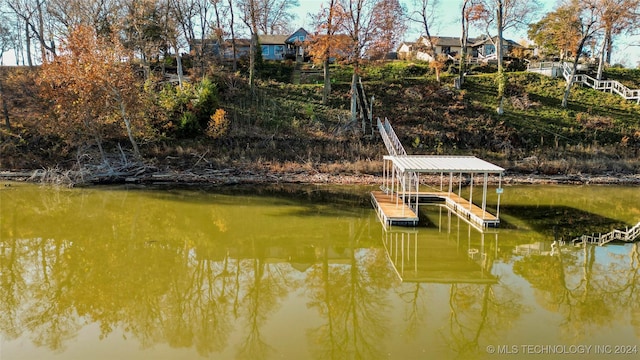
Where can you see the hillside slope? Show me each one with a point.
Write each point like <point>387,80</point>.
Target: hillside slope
<point>286,128</point>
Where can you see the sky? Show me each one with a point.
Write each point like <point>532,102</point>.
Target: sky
<point>448,24</point>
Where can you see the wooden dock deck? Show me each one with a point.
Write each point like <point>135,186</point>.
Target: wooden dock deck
<point>462,206</point>
<point>392,210</point>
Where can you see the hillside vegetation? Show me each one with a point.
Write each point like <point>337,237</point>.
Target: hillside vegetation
<point>285,128</point>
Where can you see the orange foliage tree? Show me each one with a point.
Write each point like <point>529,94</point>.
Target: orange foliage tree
<point>326,43</point>
<point>93,87</point>
<point>389,27</point>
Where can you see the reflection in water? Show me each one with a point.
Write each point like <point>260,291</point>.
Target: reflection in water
<point>461,256</point>
<point>589,286</point>
<point>192,274</point>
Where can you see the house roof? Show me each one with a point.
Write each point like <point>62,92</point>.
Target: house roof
<point>238,42</point>
<point>273,39</point>
<point>297,33</point>
<point>446,40</point>
<point>493,40</point>
<point>455,41</point>
<point>280,39</point>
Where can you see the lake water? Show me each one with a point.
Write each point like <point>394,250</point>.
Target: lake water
<point>308,272</point>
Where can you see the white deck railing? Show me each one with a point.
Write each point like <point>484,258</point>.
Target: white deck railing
<point>627,235</point>
<point>395,148</point>
<point>612,86</point>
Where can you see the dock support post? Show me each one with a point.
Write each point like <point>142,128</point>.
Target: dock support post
<point>484,195</point>
<point>471,192</point>
<point>499,187</point>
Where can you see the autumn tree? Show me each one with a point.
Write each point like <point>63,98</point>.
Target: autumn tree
<point>249,10</point>
<point>91,87</point>
<point>264,17</point>
<point>326,42</point>
<point>557,32</point>
<point>102,15</point>
<point>6,42</point>
<point>587,21</point>
<point>233,33</point>
<point>388,28</point>
<point>194,23</point>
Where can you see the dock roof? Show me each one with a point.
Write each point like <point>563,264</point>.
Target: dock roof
<point>437,164</point>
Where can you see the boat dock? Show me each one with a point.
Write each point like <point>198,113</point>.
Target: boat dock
<point>400,196</point>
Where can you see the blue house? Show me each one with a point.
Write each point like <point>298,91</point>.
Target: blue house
<point>280,47</point>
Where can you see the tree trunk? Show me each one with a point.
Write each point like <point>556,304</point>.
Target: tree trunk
<point>43,47</point>
<point>327,55</point>
<point>233,36</point>
<point>609,38</point>
<point>501,77</point>
<point>179,64</point>
<point>463,46</point>
<point>567,90</point>
<point>354,98</point>
<point>601,59</point>
<point>5,107</point>
<point>327,82</point>
<point>27,38</point>
<point>252,60</point>
<point>127,124</point>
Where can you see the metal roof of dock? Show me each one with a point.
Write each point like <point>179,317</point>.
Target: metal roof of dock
<point>437,164</point>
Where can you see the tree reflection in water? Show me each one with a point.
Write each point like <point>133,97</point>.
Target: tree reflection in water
<point>589,294</point>
<point>351,296</point>
<point>176,269</point>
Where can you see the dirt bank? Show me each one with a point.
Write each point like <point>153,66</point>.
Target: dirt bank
<point>239,176</point>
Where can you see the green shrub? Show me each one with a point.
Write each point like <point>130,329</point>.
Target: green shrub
<point>188,108</point>
<point>189,125</point>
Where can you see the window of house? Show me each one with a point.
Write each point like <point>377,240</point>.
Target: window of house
<point>279,51</point>
<point>265,50</point>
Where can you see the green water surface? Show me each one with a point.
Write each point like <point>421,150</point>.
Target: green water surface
<point>308,272</point>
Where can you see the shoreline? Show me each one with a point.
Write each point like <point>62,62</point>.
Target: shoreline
<point>239,176</point>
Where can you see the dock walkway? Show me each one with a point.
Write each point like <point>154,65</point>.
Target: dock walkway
<point>462,206</point>
<point>392,210</point>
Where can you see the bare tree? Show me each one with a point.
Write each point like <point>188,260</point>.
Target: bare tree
<point>6,42</point>
<point>33,14</point>
<point>471,12</point>
<point>504,15</point>
<point>424,13</point>
<point>618,16</point>
<point>275,16</point>
<point>249,10</point>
